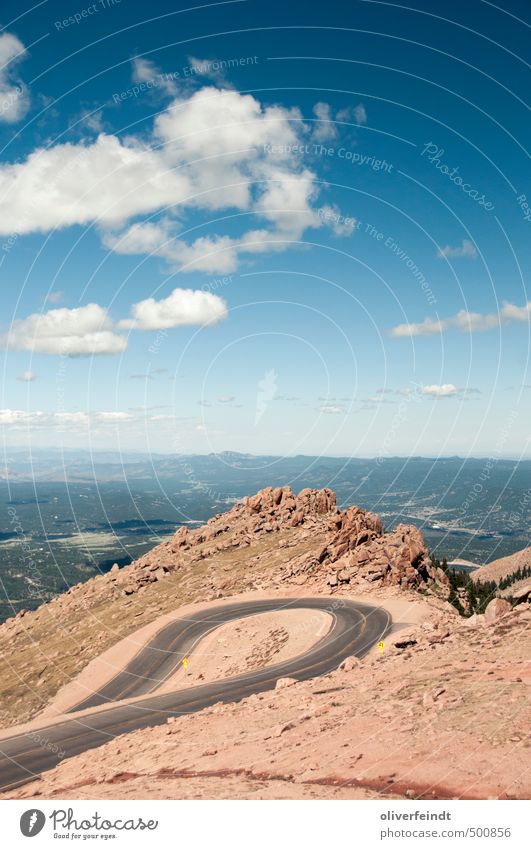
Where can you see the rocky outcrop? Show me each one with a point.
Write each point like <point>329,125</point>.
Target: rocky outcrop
<point>271,509</point>
<point>398,558</point>
<point>335,547</point>
<point>355,549</point>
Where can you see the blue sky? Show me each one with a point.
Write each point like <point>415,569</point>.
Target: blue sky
<point>266,227</point>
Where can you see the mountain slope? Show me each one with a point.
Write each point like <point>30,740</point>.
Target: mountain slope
<point>271,540</point>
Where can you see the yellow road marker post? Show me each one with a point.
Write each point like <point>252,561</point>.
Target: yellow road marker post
<point>381,646</point>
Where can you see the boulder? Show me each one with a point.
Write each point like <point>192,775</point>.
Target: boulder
<point>277,495</point>
<point>297,518</point>
<point>496,609</point>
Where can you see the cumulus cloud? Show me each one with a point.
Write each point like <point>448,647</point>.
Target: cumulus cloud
<point>14,96</point>
<point>436,390</point>
<point>465,249</point>
<point>27,376</point>
<point>182,306</point>
<point>70,332</point>
<point>217,254</point>
<point>88,330</point>
<point>465,321</point>
<point>212,150</point>
<point>107,181</point>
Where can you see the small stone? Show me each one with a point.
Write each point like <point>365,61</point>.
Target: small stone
<point>350,663</point>
<point>282,683</point>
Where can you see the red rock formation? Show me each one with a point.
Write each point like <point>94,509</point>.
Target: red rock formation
<point>356,549</point>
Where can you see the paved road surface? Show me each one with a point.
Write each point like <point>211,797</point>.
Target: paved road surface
<point>355,628</point>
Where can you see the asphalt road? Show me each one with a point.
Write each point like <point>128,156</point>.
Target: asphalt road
<point>355,628</point>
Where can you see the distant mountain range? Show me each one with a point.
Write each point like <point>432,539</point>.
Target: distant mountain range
<point>78,466</point>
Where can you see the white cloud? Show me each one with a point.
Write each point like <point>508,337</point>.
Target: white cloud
<point>510,312</point>
<point>355,113</point>
<point>163,417</point>
<point>360,114</point>
<point>107,181</point>
<point>17,417</point>
<point>226,399</point>
<point>436,390</point>
<point>113,416</point>
<point>465,321</point>
<point>211,69</point>
<point>182,306</point>
<point>93,120</point>
<point>71,332</point>
<point>341,225</point>
<point>428,327</point>
<point>90,330</point>
<point>379,398</point>
<point>213,150</point>
<point>331,409</point>
<point>145,71</point>
<point>465,249</point>
<point>223,139</point>
<point>217,254</point>
<point>325,129</point>
<point>27,376</point>
<point>285,203</point>
<point>63,420</point>
<point>14,96</point>
<point>54,297</point>
<point>71,418</point>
